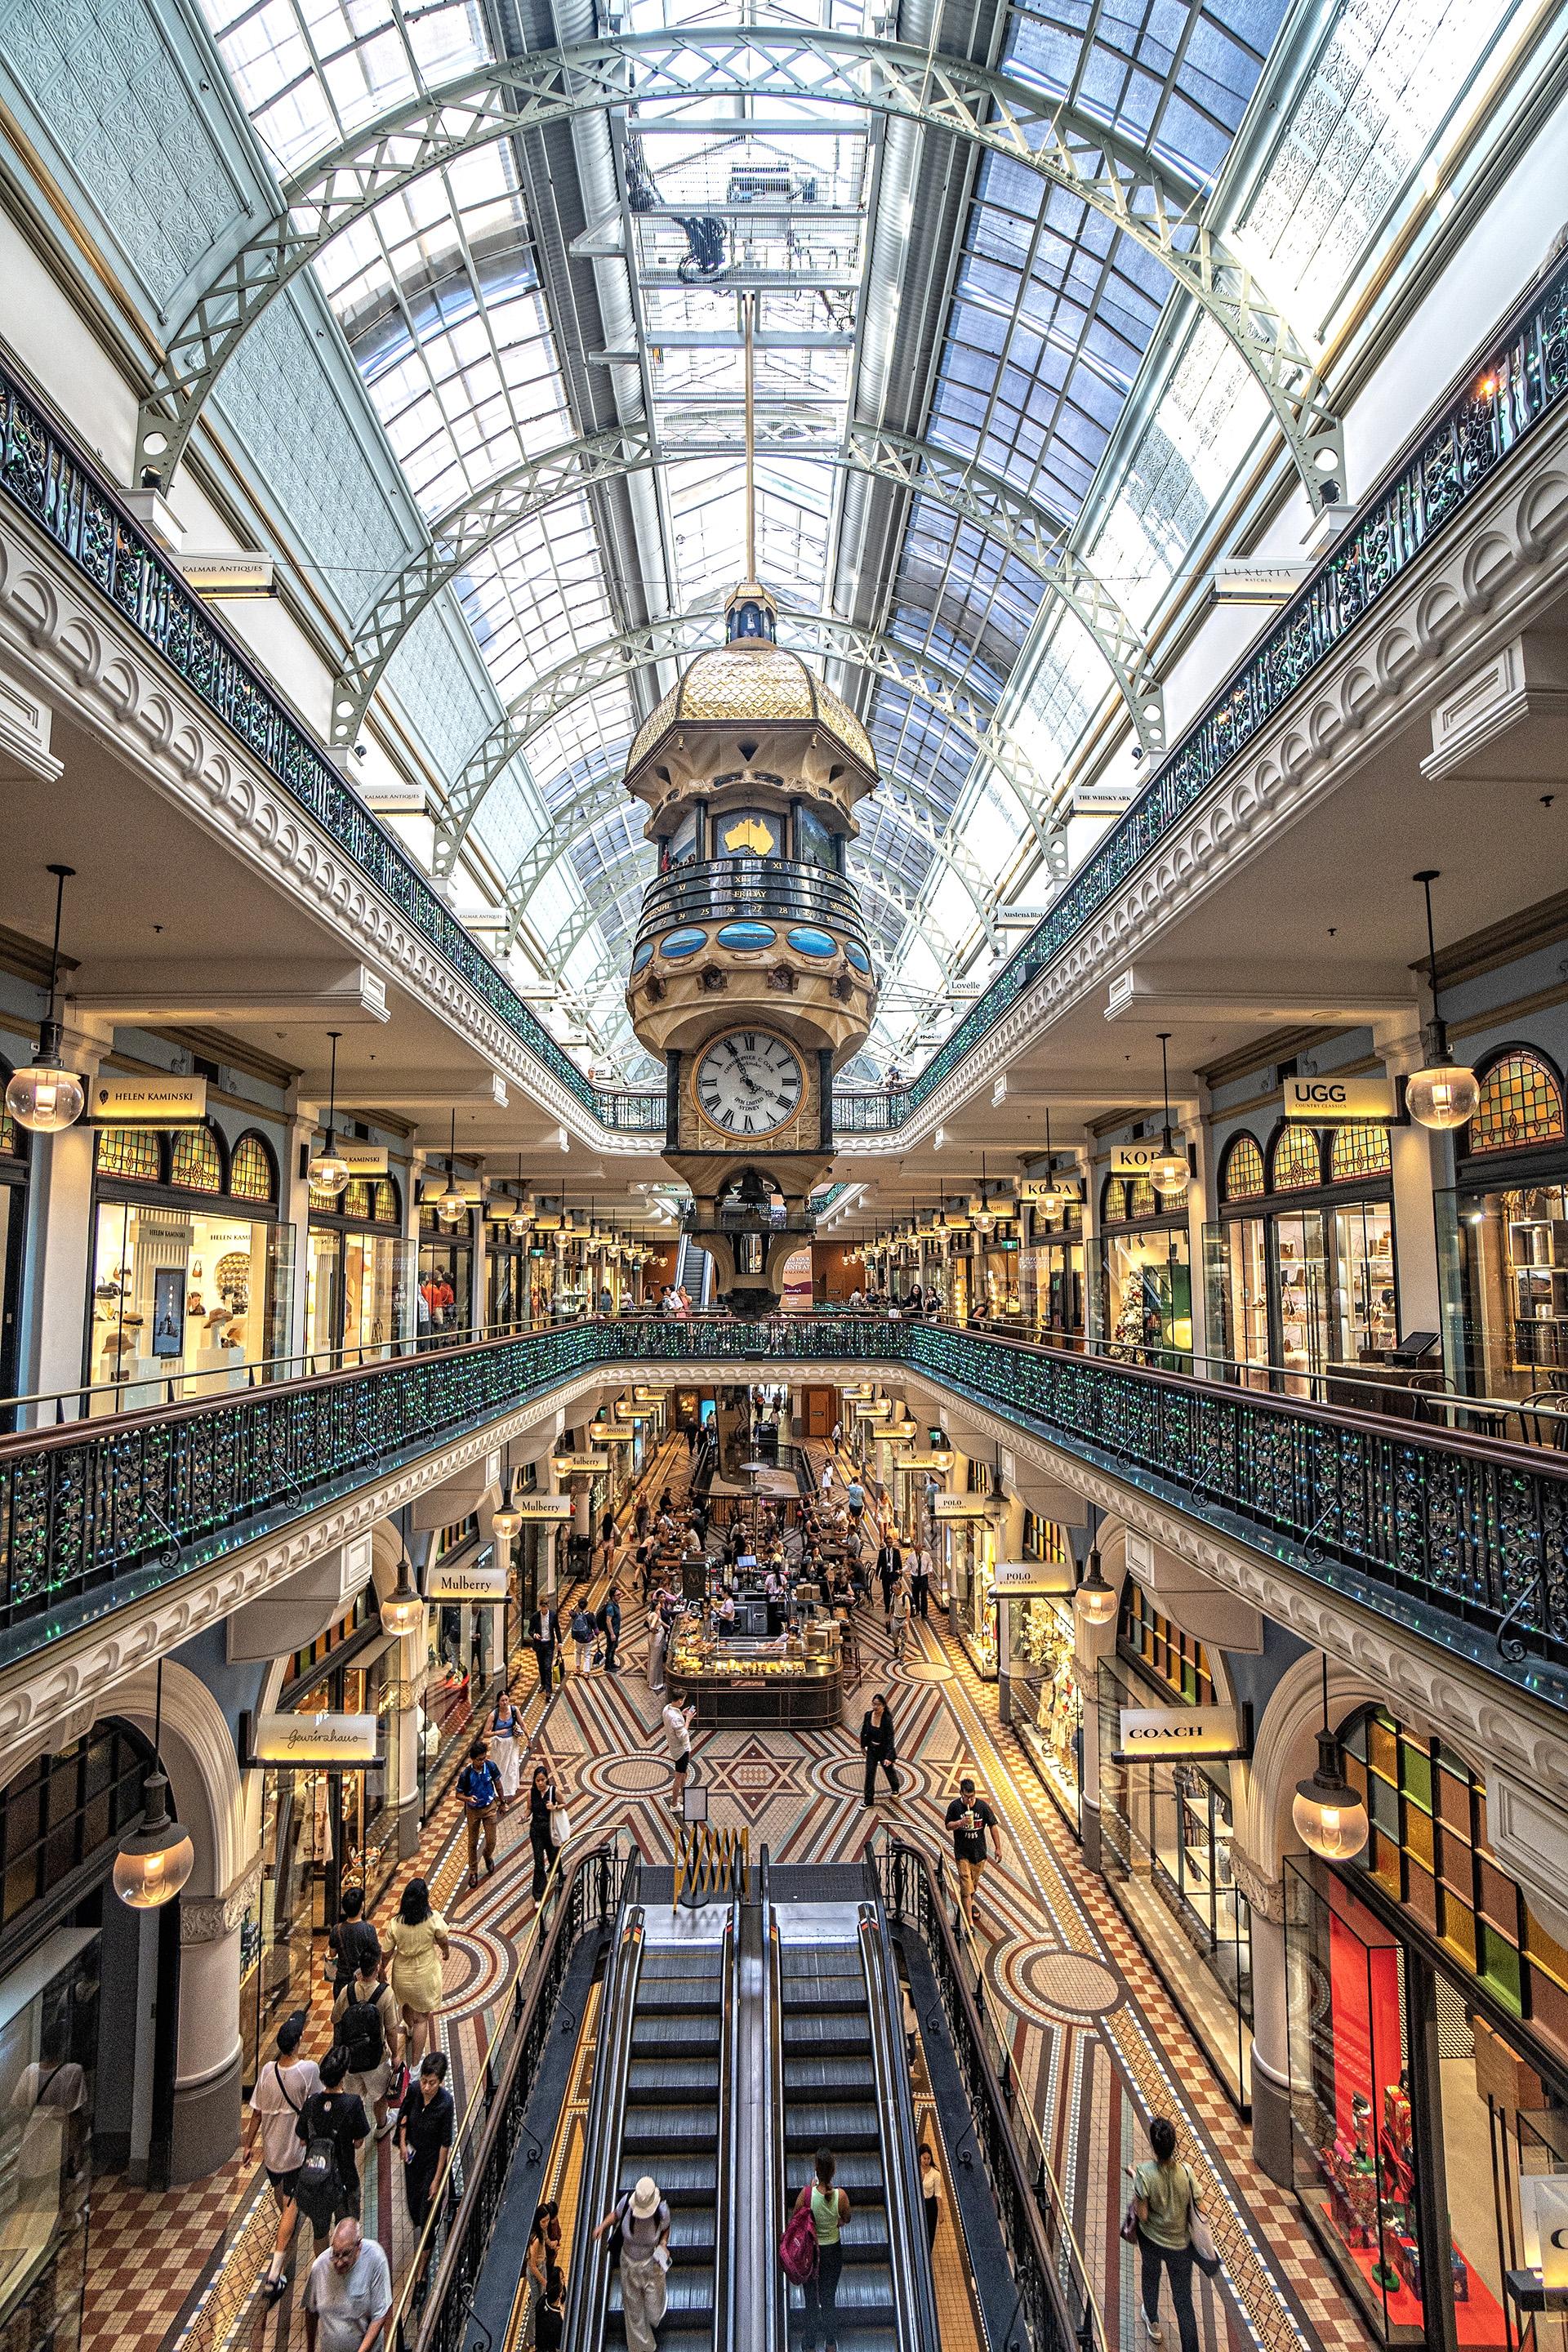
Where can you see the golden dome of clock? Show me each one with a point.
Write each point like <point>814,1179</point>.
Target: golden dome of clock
<point>753,681</point>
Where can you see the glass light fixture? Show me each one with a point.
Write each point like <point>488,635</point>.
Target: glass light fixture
<point>46,1097</point>
<point>1053,1194</point>
<point>451,1207</point>
<point>506,1520</point>
<point>157,1857</point>
<point>1168,1171</point>
<point>402,1611</point>
<point>1094,1603</point>
<point>1443,1092</point>
<point>329,1171</point>
<point>1330,1817</point>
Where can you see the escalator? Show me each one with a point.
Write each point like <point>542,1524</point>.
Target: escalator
<point>830,2100</point>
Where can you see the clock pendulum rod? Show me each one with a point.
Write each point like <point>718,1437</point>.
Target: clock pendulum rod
<point>749,301</point>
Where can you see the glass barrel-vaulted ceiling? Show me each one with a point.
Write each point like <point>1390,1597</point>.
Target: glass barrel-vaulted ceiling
<point>470,341</point>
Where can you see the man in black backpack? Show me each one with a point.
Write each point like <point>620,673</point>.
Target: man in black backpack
<point>608,1621</point>
<point>369,2027</point>
<point>332,2124</point>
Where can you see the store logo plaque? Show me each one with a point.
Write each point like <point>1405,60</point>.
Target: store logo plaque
<point>122,1100</point>
<point>362,1158</point>
<point>964,1507</point>
<point>1154,1734</point>
<point>481,1581</point>
<point>306,1739</point>
<point>1323,1100</point>
<point>550,1510</point>
<point>1032,1579</point>
<point>1137,1158</point>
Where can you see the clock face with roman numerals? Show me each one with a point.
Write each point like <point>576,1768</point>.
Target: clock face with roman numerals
<point>749,1083</point>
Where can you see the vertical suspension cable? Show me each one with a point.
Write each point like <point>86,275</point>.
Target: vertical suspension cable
<point>751,315</point>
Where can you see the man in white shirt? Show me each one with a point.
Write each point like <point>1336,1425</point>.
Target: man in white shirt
<point>283,2087</point>
<point>348,2294</point>
<point>677,1722</point>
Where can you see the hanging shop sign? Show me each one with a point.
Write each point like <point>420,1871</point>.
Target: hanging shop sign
<point>1137,1158</point>
<point>566,1465</point>
<point>874,1408</point>
<point>1152,1734</point>
<point>603,1435</point>
<point>122,1099</point>
<point>632,1411</point>
<point>1331,1099</point>
<point>925,1462</point>
<point>964,1507</point>
<point>483,1581</point>
<point>301,1741</point>
<point>362,1158</point>
<point>1543,2212</point>
<point>544,1510</point>
<point>1032,1580</point>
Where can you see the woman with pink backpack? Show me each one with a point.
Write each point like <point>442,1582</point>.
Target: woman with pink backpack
<point>812,2254</point>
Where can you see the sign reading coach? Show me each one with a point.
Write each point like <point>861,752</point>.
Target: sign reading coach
<point>1154,1734</point>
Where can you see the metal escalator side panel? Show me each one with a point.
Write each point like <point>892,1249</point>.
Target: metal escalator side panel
<point>725,2212</point>
<point>587,2296</point>
<point>914,2289</point>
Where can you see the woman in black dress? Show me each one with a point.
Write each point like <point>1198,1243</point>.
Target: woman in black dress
<point>424,2136</point>
<point>541,1802</point>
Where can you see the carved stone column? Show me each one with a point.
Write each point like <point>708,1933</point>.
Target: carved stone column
<point>1271,2049</point>
<point>208,2059</point>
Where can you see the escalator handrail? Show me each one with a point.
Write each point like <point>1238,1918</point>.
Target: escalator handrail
<point>909,2257</point>
<point>724,2214</point>
<point>775,2203</point>
<point>588,2300</point>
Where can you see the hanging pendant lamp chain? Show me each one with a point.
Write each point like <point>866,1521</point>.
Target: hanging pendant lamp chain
<point>62,874</point>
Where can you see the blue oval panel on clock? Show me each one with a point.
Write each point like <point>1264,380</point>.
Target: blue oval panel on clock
<point>643,956</point>
<point>806,942</point>
<point>857,957</point>
<point>742,937</point>
<point>676,944</point>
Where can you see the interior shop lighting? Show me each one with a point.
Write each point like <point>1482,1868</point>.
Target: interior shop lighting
<point>1168,1170</point>
<point>329,1171</point>
<point>45,1096</point>
<point>155,1860</point>
<point>1443,1092</point>
<point>1330,1817</point>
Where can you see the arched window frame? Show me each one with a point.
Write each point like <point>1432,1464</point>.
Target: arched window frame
<point>1242,1142</point>
<point>270,1200</point>
<point>1488,1071</point>
<point>1285,1134</point>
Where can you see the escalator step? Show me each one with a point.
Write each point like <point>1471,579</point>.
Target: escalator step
<point>824,1995</point>
<point>651,2080</point>
<point>827,2078</point>
<point>813,2122</point>
<point>688,2128</point>
<point>686,2029</point>
<point>688,2291</point>
<point>804,2030</point>
<point>816,1959</point>
<point>860,2171</point>
<point>690,2179</point>
<point>664,1960</point>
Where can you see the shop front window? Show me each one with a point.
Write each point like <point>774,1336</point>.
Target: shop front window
<point>445,1276</point>
<point>1046,1693</point>
<point>1143,1288</point>
<point>1504,1258</point>
<point>357,1287</point>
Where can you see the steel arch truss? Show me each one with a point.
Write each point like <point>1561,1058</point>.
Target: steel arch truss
<point>1036,539</point>
<point>677,638</point>
<point>1148,201</point>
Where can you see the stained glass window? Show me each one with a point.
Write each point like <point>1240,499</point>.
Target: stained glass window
<point>1243,1177</point>
<point>10,1136</point>
<point>131,1151</point>
<point>1142,1201</point>
<point>383,1208</point>
<point>1521,1103</point>
<point>1114,1210</point>
<point>1428,1851</point>
<point>251,1176</point>
<point>195,1163</point>
<point>1359,1151</point>
<point>1176,1659</point>
<point>1298,1159</point>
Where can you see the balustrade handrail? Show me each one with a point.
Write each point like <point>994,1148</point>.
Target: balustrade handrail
<point>1444,1530</point>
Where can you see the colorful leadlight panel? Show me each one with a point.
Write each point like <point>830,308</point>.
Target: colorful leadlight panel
<point>251,1174</point>
<point>1243,1177</point>
<point>1359,1151</point>
<point>1521,1103</point>
<point>196,1164</point>
<point>1162,1649</point>
<point>1298,1159</point>
<point>134,1152</point>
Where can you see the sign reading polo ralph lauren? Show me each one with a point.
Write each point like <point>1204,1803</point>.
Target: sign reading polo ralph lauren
<point>121,1098</point>
<point>333,1739</point>
<point>483,1581</point>
<point>1137,1158</point>
<point>1329,1100</point>
<point>962,1507</point>
<point>1154,1734</point>
<point>1032,1579</point>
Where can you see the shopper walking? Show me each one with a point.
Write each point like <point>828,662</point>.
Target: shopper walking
<point>277,2103</point>
<point>544,1638</point>
<point>608,1621</point>
<point>417,1942</point>
<point>550,2319</point>
<point>507,1739</point>
<point>889,1564</point>
<point>1162,2202</point>
<point>931,2192</point>
<point>478,1790</point>
<point>643,2221</point>
<point>333,2125</point>
<point>581,1636</point>
<point>879,1745</point>
<point>658,1636</point>
<point>972,1823</point>
<point>920,1582</point>
<point>541,1804</point>
<point>367,2026</point>
<point>425,2122</point>
<point>677,1722</point>
<point>354,1943</point>
<point>348,2294</point>
<point>898,1615</point>
<point>830,2211</point>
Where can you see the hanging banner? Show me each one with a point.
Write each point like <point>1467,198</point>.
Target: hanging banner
<point>485,1580</point>
<point>122,1099</point>
<point>1321,1100</point>
<point>1151,1734</point>
<point>307,1739</point>
<point>962,1506</point>
<point>566,1465</point>
<point>1032,1580</point>
<point>544,1510</point>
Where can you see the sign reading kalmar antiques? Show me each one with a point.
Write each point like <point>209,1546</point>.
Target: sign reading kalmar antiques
<point>314,1739</point>
<point>485,1580</point>
<point>1151,1734</point>
<point>121,1098</point>
<point>1323,1100</point>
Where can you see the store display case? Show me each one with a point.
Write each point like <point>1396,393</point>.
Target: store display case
<point>792,1682</point>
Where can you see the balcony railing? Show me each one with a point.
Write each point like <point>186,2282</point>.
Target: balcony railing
<point>751,889</point>
<point>1456,1537</point>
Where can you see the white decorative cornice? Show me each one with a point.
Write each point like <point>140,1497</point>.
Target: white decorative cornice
<point>209,1917</point>
<point>1265,1893</point>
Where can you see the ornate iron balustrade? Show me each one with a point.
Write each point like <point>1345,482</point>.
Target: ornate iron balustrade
<point>770,889</point>
<point>1461,1538</point>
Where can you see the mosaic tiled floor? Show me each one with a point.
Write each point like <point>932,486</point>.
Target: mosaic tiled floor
<point>1094,2035</point>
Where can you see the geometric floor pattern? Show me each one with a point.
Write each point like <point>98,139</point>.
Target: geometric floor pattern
<point>1094,2037</point>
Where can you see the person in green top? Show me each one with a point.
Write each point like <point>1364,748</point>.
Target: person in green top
<point>829,2212</point>
<point>1163,2200</point>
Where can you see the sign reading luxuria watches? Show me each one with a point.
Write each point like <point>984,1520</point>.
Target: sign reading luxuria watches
<point>340,1740</point>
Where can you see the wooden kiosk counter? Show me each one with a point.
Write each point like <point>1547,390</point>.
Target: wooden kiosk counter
<point>793,1683</point>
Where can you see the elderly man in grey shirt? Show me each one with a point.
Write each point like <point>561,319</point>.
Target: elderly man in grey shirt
<point>348,2294</point>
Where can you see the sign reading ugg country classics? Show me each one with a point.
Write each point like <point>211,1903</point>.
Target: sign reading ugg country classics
<point>1326,1099</point>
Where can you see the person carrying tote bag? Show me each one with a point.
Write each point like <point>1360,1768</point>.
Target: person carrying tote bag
<point>1161,2218</point>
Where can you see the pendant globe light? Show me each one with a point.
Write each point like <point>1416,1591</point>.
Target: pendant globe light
<point>402,1611</point>
<point>1168,1171</point>
<point>451,1207</point>
<point>46,1097</point>
<point>523,1215</point>
<point>1053,1194</point>
<point>155,1860</point>
<point>1094,1603</point>
<point>506,1520</point>
<point>1443,1092</point>
<point>982,1214</point>
<point>330,1170</point>
<point>1330,1817</point>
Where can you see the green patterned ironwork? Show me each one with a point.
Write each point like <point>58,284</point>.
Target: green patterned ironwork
<point>1446,1533</point>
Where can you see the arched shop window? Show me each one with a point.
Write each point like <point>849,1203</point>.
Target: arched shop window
<point>1297,1165</point>
<point>252,1171</point>
<point>358,1284</point>
<point>1521,1104</point>
<point>61,1812</point>
<point>1359,1151</point>
<point>1177,1659</point>
<point>1241,1178</point>
<point>196,1163</point>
